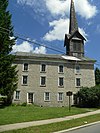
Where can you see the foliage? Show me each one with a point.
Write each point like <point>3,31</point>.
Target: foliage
<point>24,104</point>
<point>97,76</point>
<point>89,97</point>
<point>8,73</point>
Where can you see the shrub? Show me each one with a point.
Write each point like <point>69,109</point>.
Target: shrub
<point>24,104</point>
<point>89,97</point>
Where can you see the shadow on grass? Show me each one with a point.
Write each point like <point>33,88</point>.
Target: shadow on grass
<point>2,106</point>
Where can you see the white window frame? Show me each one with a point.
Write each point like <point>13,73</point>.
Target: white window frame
<point>17,97</point>
<point>41,81</point>
<point>77,71</point>
<point>59,68</point>
<point>23,66</point>
<point>23,79</point>
<point>59,82</point>
<point>28,98</point>
<point>46,96</point>
<point>41,67</point>
<point>75,54</point>
<point>76,83</point>
<point>58,96</point>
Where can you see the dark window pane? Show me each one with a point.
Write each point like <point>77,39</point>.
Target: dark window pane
<point>60,68</point>
<point>78,82</point>
<point>43,79</point>
<point>17,96</point>
<point>60,96</point>
<point>24,79</point>
<point>30,97</point>
<point>43,68</point>
<point>61,81</point>
<point>25,67</point>
<point>47,96</point>
<point>77,69</point>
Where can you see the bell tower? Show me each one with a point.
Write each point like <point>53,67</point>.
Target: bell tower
<point>74,41</point>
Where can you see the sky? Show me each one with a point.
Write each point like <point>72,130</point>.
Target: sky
<point>42,24</point>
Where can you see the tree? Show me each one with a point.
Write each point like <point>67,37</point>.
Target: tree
<point>97,76</point>
<point>8,73</point>
<point>89,97</point>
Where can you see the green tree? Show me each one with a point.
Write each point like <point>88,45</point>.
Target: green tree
<point>89,97</point>
<point>97,76</point>
<point>8,73</point>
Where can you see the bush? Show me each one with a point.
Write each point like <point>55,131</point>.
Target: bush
<point>24,104</point>
<point>89,97</point>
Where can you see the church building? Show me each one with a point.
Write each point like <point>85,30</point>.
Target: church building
<point>45,79</point>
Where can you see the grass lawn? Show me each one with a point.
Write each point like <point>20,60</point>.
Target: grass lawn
<point>16,114</point>
<point>49,128</point>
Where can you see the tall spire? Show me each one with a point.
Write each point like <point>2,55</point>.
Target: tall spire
<point>73,21</point>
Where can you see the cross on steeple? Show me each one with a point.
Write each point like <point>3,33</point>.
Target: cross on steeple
<point>73,26</point>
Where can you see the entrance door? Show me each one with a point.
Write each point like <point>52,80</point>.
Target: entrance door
<point>30,98</point>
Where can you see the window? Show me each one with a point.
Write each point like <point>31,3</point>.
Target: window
<point>60,96</point>
<point>43,81</point>
<point>75,54</point>
<point>61,81</point>
<point>43,67</point>
<point>47,96</point>
<point>17,95</point>
<point>77,45</point>
<point>25,80</point>
<point>25,66</point>
<point>61,69</point>
<point>77,69</point>
<point>78,82</point>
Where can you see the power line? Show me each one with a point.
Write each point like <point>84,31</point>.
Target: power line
<point>31,41</point>
<point>24,38</point>
<point>39,44</point>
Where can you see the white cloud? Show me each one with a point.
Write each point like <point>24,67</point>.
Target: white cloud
<point>60,27</point>
<point>24,47</point>
<point>82,31</point>
<point>11,37</point>
<point>58,7</point>
<point>85,9</point>
<point>27,47</point>
<point>61,7</point>
<point>40,50</point>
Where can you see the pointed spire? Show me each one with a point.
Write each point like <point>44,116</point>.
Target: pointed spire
<point>73,21</point>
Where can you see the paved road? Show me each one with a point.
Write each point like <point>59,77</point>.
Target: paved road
<point>90,129</point>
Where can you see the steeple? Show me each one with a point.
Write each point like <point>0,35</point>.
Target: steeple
<point>73,26</point>
<point>74,41</point>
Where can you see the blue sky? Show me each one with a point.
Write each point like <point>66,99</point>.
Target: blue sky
<point>47,22</point>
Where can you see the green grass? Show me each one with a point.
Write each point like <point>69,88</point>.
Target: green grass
<point>16,114</point>
<point>49,128</point>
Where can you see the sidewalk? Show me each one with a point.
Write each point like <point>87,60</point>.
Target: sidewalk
<point>43,122</point>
